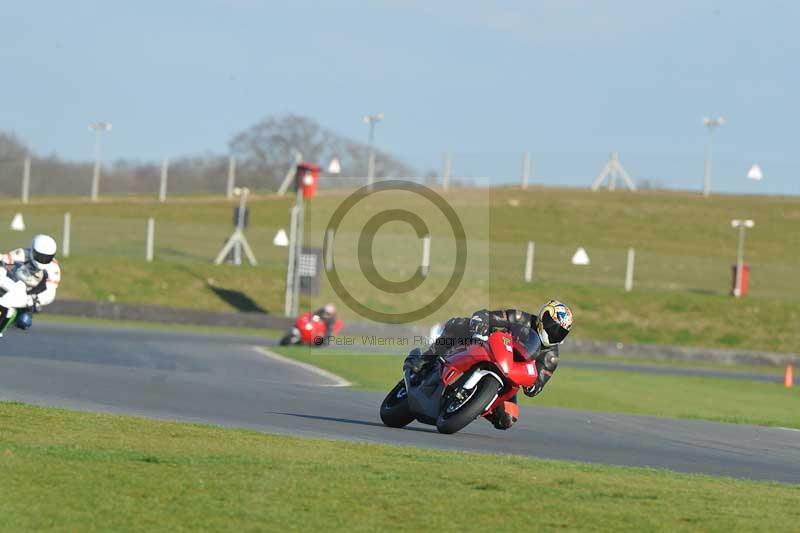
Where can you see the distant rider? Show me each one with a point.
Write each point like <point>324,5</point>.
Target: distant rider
<point>37,268</point>
<point>328,315</point>
<point>552,325</point>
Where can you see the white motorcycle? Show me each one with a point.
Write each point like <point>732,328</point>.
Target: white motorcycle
<point>14,297</point>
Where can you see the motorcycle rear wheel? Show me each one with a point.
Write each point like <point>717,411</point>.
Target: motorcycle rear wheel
<point>454,417</point>
<point>395,411</point>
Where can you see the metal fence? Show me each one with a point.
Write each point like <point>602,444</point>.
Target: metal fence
<point>46,177</point>
<point>397,254</point>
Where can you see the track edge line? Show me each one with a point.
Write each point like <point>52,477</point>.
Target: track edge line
<point>338,381</point>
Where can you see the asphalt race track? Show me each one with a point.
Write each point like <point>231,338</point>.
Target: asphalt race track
<point>226,380</point>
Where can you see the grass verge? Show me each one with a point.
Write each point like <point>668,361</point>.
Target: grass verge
<point>66,470</point>
<point>719,399</point>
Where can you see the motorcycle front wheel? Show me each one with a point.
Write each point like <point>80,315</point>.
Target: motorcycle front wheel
<point>395,411</point>
<point>287,340</point>
<point>462,406</point>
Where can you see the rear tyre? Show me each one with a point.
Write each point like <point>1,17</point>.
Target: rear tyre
<point>395,411</point>
<point>457,412</point>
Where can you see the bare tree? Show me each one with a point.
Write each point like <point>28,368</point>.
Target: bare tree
<point>267,150</point>
<point>264,153</point>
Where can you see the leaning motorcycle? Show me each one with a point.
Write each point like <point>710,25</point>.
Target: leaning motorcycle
<point>309,329</point>
<point>14,297</point>
<point>460,387</point>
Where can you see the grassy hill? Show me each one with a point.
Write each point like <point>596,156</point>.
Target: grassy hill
<point>684,245</point>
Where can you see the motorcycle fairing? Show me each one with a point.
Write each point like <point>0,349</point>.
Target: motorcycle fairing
<point>507,354</point>
<point>424,395</point>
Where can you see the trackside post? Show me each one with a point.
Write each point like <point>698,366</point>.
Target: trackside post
<point>26,180</point>
<point>151,229</point>
<point>162,190</point>
<point>426,255</point>
<point>66,235</point>
<point>529,262</point>
<point>629,270</point>
<point>231,177</point>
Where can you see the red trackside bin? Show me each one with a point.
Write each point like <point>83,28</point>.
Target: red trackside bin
<point>307,178</point>
<point>745,282</point>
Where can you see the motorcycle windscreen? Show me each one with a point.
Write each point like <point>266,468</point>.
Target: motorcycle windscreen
<point>531,343</point>
<point>526,346</point>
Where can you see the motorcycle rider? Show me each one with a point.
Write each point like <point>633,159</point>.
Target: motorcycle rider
<point>37,268</point>
<point>552,325</point>
<point>327,314</point>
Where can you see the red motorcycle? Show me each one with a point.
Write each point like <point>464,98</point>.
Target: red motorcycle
<point>466,384</point>
<point>310,329</point>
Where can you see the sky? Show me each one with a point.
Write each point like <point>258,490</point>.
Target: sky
<point>567,80</point>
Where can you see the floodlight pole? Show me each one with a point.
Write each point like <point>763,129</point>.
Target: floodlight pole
<point>741,224</point>
<point>237,242</point>
<point>711,123</point>
<point>611,170</point>
<point>370,120</point>
<point>98,128</point>
<point>290,174</point>
<point>292,299</point>
<point>446,167</point>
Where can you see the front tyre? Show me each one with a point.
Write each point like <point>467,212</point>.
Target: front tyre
<point>462,406</point>
<point>395,411</point>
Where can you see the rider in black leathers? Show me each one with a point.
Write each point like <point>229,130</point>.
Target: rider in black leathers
<point>552,325</point>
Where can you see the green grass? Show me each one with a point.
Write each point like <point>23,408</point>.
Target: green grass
<point>776,372</point>
<point>684,246</point>
<point>719,399</point>
<point>70,471</point>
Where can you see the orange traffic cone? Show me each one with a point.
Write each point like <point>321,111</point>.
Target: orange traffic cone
<point>788,378</point>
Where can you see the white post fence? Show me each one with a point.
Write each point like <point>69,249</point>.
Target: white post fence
<point>629,270</point>
<point>151,230</point>
<point>529,262</point>
<point>426,255</point>
<point>329,250</point>
<point>65,238</point>
<point>26,180</point>
<point>526,169</point>
<point>162,191</point>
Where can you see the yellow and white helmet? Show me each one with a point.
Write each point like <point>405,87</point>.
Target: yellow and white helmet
<point>555,322</point>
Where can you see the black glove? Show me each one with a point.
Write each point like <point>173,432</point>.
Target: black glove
<point>533,390</point>
<point>479,325</point>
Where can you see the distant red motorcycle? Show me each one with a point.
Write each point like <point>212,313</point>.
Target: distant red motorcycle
<point>466,384</point>
<point>310,329</point>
